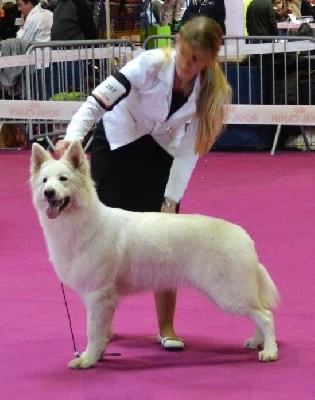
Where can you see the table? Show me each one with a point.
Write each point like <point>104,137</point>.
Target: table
<point>291,28</point>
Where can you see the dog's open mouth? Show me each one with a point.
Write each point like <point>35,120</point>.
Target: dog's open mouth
<point>56,206</point>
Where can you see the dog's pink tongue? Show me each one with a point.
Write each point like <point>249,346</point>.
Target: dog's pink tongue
<point>52,212</point>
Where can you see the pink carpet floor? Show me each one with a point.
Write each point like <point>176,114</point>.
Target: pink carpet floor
<point>272,197</point>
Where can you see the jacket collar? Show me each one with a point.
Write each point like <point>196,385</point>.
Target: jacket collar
<point>35,9</point>
<point>166,75</point>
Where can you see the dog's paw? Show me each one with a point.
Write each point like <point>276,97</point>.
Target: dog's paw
<point>253,344</point>
<point>80,363</point>
<point>267,356</point>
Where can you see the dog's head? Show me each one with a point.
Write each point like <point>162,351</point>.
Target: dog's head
<point>59,185</point>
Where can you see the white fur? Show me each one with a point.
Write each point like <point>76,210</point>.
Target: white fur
<point>103,253</point>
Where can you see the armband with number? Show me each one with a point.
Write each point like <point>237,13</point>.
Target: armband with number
<point>112,91</point>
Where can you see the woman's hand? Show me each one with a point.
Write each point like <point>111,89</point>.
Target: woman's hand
<point>169,206</point>
<point>61,147</point>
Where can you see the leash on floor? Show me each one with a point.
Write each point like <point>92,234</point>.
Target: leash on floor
<point>76,353</point>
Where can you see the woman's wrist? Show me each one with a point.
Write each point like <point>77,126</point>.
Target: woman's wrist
<point>168,203</point>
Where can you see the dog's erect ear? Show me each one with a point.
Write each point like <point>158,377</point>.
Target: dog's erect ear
<point>75,154</point>
<point>39,155</point>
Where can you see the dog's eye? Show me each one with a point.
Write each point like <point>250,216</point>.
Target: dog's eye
<point>63,178</point>
<point>44,180</point>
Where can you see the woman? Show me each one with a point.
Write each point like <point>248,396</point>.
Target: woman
<point>293,7</point>
<point>158,114</point>
<point>280,12</point>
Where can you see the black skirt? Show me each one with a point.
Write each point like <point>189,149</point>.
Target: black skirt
<point>132,177</point>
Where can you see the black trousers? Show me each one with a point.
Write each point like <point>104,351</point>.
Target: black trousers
<point>132,177</point>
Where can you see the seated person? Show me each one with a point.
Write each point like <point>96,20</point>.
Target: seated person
<point>281,13</point>
<point>293,7</point>
<point>36,22</point>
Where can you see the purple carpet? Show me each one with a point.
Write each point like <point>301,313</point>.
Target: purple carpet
<point>272,197</point>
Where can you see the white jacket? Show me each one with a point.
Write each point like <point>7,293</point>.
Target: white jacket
<point>37,25</point>
<point>144,111</point>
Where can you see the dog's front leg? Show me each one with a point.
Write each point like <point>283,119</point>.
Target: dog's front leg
<point>100,308</point>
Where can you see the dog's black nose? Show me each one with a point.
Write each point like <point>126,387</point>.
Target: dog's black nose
<point>49,193</point>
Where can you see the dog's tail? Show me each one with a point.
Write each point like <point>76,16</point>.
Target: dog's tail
<point>268,293</point>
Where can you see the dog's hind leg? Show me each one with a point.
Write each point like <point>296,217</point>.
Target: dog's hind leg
<point>264,335</point>
<point>100,308</point>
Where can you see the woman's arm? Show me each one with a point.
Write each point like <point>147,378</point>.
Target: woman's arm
<point>185,160</point>
<point>180,175</point>
<point>89,113</point>
<point>104,97</point>
<point>81,123</point>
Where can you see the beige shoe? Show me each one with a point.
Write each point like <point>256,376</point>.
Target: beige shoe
<point>170,344</point>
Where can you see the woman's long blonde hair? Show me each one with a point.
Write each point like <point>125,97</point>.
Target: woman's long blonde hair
<point>215,92</point>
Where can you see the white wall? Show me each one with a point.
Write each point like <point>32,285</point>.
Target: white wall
<point>235,17</point>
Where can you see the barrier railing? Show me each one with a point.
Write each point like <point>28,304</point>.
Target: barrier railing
<point>57,78</point>
<point>271,77</point>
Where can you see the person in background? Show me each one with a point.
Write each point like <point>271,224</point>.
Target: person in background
<point>8,26</point>
<point>281,13</point>
<point>307,9</point>
<point>211,8</point>
<point>156,116</point>
<point>52,4</point>
<point>73,20</point>
<point>35,26</point>
<point>157,6</point>
<point>151,12</point>
<point>261,19</point>
<point>171,13</point>
<point>36,22</point>
<point>293,7</point>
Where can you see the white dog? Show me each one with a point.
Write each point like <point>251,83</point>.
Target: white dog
<point>103,253</point>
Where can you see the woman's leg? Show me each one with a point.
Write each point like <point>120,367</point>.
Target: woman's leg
<point>165,302</point>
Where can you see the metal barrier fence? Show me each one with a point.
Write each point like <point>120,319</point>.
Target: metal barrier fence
<point>60,71</point>
<point>267,73</point>
<point>271,77</point>
<point>276,72</point>
<point>264,69</point>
